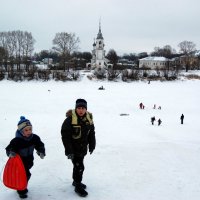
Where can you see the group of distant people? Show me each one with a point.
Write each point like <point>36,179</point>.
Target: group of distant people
<point>154,107</point>
<point>153,119</point>
<point>141,106</point>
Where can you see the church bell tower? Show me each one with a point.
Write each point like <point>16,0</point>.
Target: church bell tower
<point>98,60</point>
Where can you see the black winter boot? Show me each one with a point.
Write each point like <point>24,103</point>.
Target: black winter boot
<point>80,190</point>
<point>22,193</point>
<point>80,184</point>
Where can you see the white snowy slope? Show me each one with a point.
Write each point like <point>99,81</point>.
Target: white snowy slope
<point>132,160</point>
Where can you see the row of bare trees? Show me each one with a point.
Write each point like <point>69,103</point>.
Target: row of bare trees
<point>16,47</point>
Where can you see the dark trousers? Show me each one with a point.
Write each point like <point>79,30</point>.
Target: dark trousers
<point>78,169</point>
<point>28,174</point>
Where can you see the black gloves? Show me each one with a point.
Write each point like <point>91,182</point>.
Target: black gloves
<point>11,154</point>
<point>70,156</point>
<point>42,155</point>
<point>91,151</point>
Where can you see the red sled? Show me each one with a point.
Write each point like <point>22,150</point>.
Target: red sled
<point>14,174</point>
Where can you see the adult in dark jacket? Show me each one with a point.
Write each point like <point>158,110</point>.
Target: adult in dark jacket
<point>182,118</point>
<point>152,120</point>
<point>24,144</point>
<point>159,122</point>
<point>78,134</point>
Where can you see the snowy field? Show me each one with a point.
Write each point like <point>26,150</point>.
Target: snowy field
<point>132,160</point>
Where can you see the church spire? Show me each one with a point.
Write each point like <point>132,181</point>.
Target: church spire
<point>100,25</point>
<point>99,35</point>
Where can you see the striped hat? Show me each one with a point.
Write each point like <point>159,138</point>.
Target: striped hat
<point>23,123</point>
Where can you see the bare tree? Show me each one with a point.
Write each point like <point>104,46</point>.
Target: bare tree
<point>187,48</point>
<point>87,56</point>
<point>3,39</point>
<point>19,46</point>
<point>3,56</point>
<point>198,62</point>
<point>28,47</point>
<point>142,55</point>
<point>65,43</point>
<point>3,46</point>
<point>166,51</point>
<point>113,57</point>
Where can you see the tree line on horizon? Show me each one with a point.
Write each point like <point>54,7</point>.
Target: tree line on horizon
<point>17,48</point>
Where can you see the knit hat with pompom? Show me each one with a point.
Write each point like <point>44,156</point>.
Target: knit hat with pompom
<point>23,123</point>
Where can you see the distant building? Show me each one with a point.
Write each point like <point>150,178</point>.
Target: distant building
<point>154,62</point>
<point>47,61</point>
<point>98,61</point>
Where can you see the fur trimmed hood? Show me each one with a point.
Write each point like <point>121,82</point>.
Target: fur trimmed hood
<point>69,113</point>
<point>72,113</point>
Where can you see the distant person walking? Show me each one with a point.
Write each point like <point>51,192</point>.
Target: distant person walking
<point>152,120</point>
<point>159,122</point>
<point>182,118</point>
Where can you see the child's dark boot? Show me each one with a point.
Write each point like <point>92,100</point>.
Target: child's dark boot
<point>22,193</point>
<point>80,190</point>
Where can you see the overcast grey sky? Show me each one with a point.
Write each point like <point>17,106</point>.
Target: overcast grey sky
<point>128,26</point>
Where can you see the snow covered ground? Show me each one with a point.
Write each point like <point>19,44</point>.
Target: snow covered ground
<point>133,159</point>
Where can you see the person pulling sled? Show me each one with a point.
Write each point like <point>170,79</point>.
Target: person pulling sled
<point>23,144</point>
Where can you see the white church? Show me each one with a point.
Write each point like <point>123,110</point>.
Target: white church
<point>98,61</point>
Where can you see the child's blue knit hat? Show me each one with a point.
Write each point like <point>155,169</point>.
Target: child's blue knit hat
<point>23,123</point>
